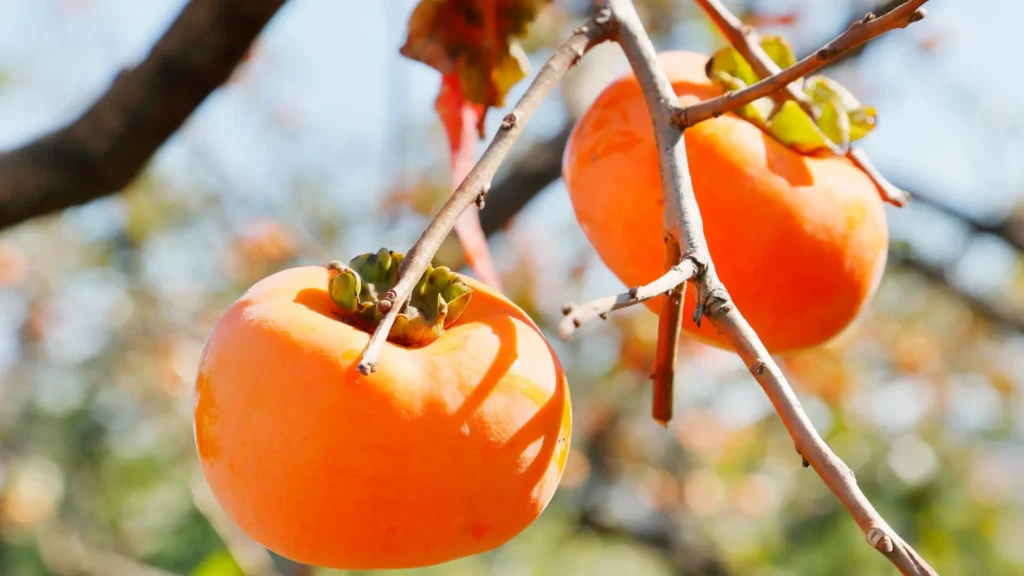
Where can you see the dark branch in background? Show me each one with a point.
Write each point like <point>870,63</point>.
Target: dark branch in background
<point>106,147</point>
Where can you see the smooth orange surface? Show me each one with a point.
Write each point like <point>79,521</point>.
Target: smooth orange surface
<point>446,451</point>
<point>799,241</point>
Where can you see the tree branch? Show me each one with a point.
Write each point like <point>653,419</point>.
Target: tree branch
<point>858,33</point>
<point>479,179</point>
<point>103,150</point>
<point>682,219</point>
<point>745,40</point>
<point>576,315</point>
<point>682,228</point>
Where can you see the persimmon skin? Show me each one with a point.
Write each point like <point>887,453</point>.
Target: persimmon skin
<point>447,450</point>
<point>799,241</point>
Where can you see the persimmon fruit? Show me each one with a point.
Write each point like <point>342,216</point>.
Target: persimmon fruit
<point>799,239</point>
<point>453,446</point>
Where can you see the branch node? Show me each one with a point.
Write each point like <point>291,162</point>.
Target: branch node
<point>868,17</point>
<point>633,292</point>
<point>918,15</point>
<point>385,304</point>
<point>758,367</point>
<point>482,196</point>
<point>367,368</point>
<point>508,121</point>
<point>879,540</point>
<point>566,309</point>
<point>603,16</point>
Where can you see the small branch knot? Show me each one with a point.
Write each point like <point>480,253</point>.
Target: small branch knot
<point>868,17</point>
<point>918,15</point>
<point>567,309</point>
<point>758,368</point>
<point>823,53</point>
<point>879,540</point>
<point>482,197</point>
<point>603,315</point>
<point>633,293</point>
<point>384,305</point>
<point>508,121</point>
<point>603,16</point>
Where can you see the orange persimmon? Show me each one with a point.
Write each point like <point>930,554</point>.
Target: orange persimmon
<point>454,445</point>
<point>799,240</point>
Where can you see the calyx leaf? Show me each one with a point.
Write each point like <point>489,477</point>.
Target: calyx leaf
<point>436,302</point>
<point>474,39</point>
<point>842,119</point>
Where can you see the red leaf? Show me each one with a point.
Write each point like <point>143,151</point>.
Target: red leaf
<point>462,121</point>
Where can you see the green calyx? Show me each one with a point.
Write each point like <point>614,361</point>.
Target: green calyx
<point>436,302</point>
<point>842,118</point>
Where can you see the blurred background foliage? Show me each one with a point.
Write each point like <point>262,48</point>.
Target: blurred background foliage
<point>325,145</point>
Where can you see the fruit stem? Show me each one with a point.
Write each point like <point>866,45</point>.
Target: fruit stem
<point>745,40</point>
<point>437,300</point>
<point>595,31</point>
<point>858,33</point>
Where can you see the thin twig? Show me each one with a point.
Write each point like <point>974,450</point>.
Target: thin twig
<point>745,40</point>
<point>713,299</point>
<point>682,228</point>
<point>858,33</point>
<point>837,475</point>
<point>666,353</point>
<point>479,178</point>
<point>578,314</point>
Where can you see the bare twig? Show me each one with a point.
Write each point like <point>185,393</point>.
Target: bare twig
<point>682,228</point>
<point>479,178</point>
<point>837,476</point>
<point>858,33</point>
<point>666,352</point>
<point>102,151</point>
<point>682,217</point>
<point>578,314</point>
<point>745,40</point>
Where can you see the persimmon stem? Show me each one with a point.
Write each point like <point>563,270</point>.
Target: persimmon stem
<point>683,223</point>
<point>595,31</point>
<point>745,40</point>
<point>858,33</point>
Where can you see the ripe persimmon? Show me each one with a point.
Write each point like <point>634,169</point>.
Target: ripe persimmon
<point>454,445</point>
<point>799,239</point>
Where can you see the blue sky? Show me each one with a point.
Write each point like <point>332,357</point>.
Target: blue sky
<point>334,68</point>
